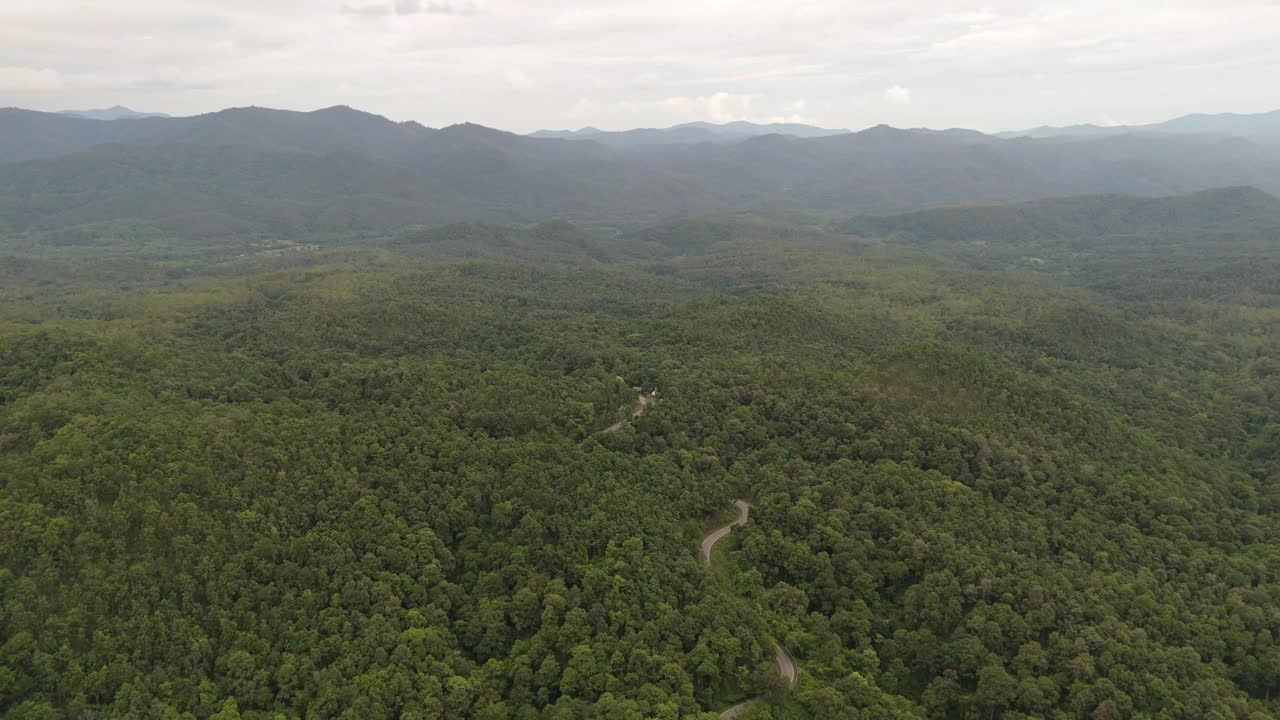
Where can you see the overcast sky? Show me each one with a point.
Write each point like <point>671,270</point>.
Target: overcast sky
<point>527,64</point>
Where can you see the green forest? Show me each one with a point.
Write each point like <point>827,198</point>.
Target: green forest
<point>1017,463</point>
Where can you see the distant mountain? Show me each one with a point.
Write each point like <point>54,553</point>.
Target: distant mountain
<point>1245,125</point>
<point>28,135</point>
<point>209,190</point>
<point>279,171</point>
<point>688,133</point>
<point>742,129</point>
<point>117,112</point>
<point>1263,127</point>
<point>1241,210</point>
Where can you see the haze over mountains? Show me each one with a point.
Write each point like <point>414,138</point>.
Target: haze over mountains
<point>687,133</point>
<point>343,170</point>
<point>115,112</point>
<point>1226,212</point>
<point>1263,127</point>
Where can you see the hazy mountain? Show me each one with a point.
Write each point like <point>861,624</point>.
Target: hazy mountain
<point>1247,125</point>
<point>222,190</point>
<point>885,169</point>
<point>688,133</point>
<point>116,112</point>
<point>28,135</point>
<point>742,129</point>
<point>1232,210</point>
<point>232,163</point>
<point>1258,126</point>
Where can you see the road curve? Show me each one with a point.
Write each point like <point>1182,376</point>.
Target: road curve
<point>744,509</point>
<point>786,665</point>
<point>644,402</point>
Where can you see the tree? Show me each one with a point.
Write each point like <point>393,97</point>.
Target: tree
<point>996,688</point>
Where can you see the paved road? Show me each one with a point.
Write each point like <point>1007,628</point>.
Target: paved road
<point>786,665</point>
<point>744,509</point>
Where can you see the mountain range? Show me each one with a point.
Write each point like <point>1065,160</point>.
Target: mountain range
<point>1237,211</point>
<point>116,112</point>
<point>1262,127</point>
<point>343,170</point>
<point>688,133</point>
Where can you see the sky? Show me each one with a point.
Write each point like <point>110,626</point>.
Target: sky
<point>523,65</point>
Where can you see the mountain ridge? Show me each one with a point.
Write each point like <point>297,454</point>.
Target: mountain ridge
<point>1230,210</point>
<point>688,133</point>
<point>1264,126</point>
<point>115,112</point>
<point>44,158</point>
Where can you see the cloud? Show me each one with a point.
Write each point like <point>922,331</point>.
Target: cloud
<point>417,7</point>
<point>646,80</point>
<point>719,107</point>
<point>374,10</point>
<point>650,62</point>
<point>898,95</point>
<point>518,79</point>
<point>19,79</point>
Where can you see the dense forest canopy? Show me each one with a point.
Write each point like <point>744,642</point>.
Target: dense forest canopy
<point>1014,462</point>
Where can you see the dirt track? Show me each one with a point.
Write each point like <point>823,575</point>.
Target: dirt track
<point>644,402</point>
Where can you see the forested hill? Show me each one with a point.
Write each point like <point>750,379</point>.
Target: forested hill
<point>366,478</point>
<point>1229,211</point>
<point>179,172</point>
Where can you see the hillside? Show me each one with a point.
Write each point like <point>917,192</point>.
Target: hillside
<point>1024,466</point>
<point>1231,211</point>
<point>208,190</point>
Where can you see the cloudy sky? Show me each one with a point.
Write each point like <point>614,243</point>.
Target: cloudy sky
<point>527,64</point>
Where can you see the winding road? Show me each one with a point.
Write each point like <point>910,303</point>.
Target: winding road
<point>786,665</point>
<point>644,402</point>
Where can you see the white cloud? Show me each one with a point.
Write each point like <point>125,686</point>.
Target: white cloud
<point>646,80</point>
<point>898,95</point>
<point>650,62</point>
<point>518,79</point>
<point>417,7</point>
<point>18,79</point>
<point>719,107</point>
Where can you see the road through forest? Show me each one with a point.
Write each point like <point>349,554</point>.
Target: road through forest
<point>644,402</point>
<point>786,665</point>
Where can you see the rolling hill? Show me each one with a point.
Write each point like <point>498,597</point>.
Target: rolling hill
<point>1227,211</point>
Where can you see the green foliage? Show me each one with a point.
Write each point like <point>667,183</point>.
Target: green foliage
<point>363,482</point>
